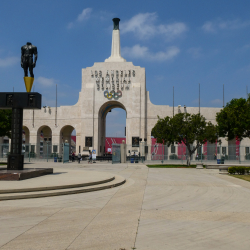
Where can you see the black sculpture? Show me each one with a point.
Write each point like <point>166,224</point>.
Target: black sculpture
<point>27,52</point>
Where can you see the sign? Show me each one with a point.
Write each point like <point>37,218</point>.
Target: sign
<point>88,141</point>
<point>135,141</point>
<point>93,154</point>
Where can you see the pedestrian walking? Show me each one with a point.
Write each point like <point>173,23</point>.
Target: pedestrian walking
<point>79,157</point>
<point>73,157</point>
<point>90,157</point>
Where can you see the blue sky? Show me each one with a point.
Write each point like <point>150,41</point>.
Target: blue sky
<point>180,43</point>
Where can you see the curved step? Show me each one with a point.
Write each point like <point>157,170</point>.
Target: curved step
<point>24,190</point>
<point>117,181</point>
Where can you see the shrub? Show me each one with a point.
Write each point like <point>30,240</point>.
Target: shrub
<point>231,170</point>
<point>239,170</point>
<point>173,157</point>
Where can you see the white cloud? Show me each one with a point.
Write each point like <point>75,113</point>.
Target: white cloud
<point>214,26</point>
<point>138,51</point>
<point>216,101</point>
<point>194,52</point>
<point>84,15</point>
<point>143,26</point>
<point>9,61</point>
<point>46,82</point>
<point>81,17</point>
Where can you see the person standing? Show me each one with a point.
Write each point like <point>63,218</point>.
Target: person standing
<point>73,156</point>
<point>90,156</point>
<point>79,157</point>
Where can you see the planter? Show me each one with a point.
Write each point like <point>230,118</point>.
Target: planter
<point>223,169</point>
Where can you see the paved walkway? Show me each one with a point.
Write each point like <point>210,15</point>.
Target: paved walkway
<point>155,209</point>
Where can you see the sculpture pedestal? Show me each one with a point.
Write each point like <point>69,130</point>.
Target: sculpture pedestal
<point>17,102</point>
<point>18,175</point>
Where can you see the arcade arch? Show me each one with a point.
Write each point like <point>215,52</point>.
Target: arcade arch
<point>105,108</point>
<point>65,135</point>
<point>26,135</point>
<point>44,136</point>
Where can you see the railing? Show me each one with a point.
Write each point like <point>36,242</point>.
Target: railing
<point>32,152</point>
<point>157,153</point>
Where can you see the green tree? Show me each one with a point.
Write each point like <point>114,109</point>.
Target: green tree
<point>5,122</point>
<point>192,130</point>
<point>234,119</point>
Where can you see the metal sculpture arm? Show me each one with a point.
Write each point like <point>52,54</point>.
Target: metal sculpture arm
<point>35,56</point>
<point>22,56</point>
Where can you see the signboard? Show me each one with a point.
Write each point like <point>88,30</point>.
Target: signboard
<point>93,154</point>
<point>135,141</point>
<point>88,141</point>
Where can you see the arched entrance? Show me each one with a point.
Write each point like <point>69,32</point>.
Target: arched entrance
<point>26,135</point>
<point>25,141</point>
<point>65,136</point>
<point>44,141</point>
<point>105,108</point>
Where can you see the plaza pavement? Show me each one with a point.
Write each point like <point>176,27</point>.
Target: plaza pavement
<point>156,209</point>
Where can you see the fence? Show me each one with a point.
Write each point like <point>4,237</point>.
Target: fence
<point>32,152</point>
<point>157,153</point>
<point>210,153</point>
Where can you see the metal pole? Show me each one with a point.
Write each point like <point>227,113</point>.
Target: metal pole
<point>182,154</point>
<point>239,153</point>
<point>173,101</point>
<point>56,108</point>
<point>199,100</point>
<point>201,152</point>
<point>223,95</point>
<point>29,152</point>
<point>47,151</point>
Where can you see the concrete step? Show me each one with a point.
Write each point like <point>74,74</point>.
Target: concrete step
<point>117,181</point>
<point>47,188</point>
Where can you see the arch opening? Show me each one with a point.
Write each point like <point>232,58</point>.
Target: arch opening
<point>112,125</point>
<point>44,141</point>
<point>68,134</point>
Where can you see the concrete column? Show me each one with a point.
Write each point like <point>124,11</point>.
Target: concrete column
<point>78,143</point>
<point>116,47</point>
<point>1,146</point>
<point>123,153</point>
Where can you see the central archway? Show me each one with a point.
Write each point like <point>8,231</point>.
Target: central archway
<point>105,108</point>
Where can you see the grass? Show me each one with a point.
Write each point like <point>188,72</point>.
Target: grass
<point>242,177</point>
<point>171,166</point>
<point>1,163</point>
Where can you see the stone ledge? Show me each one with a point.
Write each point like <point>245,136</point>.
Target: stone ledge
<point>18,175</point>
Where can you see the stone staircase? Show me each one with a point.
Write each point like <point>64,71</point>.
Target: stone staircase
<point>28,193</point>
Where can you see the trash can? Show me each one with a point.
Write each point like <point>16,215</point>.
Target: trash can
<point>132,160</point>
<point>55,159</point>
<point>218,161</point>
<point>222,161</point>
